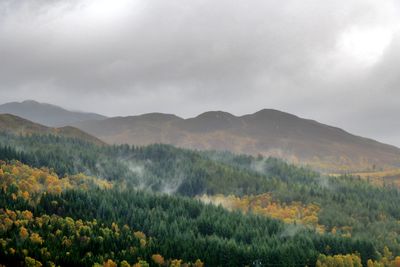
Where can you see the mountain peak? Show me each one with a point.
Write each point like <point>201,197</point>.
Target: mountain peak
<point>219,115</point>
<point>30,101</point>
<point>157,116</point>
<point>272,113</point>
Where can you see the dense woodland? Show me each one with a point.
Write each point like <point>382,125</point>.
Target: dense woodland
<point>113,199</point>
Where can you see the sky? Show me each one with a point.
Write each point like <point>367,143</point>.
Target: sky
<point>335,61</point>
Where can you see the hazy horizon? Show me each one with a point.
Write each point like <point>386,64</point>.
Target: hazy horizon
<point>195,115</point>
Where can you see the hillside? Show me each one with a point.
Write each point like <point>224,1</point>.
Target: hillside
<point>328,215</point>
<point>267,132</point>
<point>46,114</point>
<point>50,221</point>
<point>16,125</point>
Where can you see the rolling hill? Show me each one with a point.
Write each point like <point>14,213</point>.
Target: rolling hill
<point>46,114</point>
<point>16,125</point>
<point>267,132</point>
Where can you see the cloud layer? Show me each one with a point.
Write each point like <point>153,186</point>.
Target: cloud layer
<point>334,61</point>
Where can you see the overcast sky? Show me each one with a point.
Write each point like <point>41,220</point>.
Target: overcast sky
<point>334,61</point>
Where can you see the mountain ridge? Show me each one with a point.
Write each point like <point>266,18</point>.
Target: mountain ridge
<point>47,114</point>
<point>17,125</point>
<point>267,132</point>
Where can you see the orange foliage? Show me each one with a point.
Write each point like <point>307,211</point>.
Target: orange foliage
<point>25,195</point>
<point>32,181</point>
<point>11,214</point>
<point>27,215</point>
<point>109,263</point>
<point>397,261</point>
<point>158,259</point>
<point>263,204</point>
<point>23,233</point>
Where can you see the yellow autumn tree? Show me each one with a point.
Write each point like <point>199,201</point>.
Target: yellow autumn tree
<point>23,233</point>
<point>397,261</point>
<point>31,262</point>
<point>25,195</point>
<point>36,239</point>
<point>27,215</point>
<point>139,235</point>
<point>198,263</point>
<point>263,204</point>
<point>141,264</point>
<point>11,214</point>
<point>385,261</point>
<point>143,243</point>
<point>349,260</point>
<point>176,263</point>
<point>109,263</point>
<point>158,259</point>
<point>6,224</point>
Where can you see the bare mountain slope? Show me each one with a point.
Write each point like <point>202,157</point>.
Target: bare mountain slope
<point>267,132</point>
<point>47,114</point>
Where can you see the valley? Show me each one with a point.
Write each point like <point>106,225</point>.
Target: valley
<point>70,199</point>
<point>200,133</point>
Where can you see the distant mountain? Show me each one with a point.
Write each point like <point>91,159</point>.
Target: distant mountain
<point>47,114</point>
<point>267,132</point>
<point>16,125</point>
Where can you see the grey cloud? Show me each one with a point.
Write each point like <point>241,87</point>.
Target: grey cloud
<point>187,57</point>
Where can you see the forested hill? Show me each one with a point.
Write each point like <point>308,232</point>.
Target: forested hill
<point>84,225</point>
<point>16,125</point>
<point>266,132</point>
<point>347,214</point>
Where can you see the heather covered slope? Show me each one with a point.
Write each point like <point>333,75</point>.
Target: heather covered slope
<point>267,132</point>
